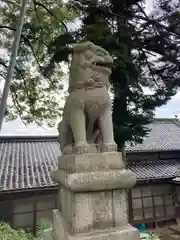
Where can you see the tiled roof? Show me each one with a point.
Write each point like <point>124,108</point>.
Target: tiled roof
<point>27,163</point>
<point>156,171</point>
<point>164,136</point>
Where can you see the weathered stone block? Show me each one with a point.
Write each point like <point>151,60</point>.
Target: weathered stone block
<point>93,172</point>
<point>90,162</point>
<point>89,211</point>
<point>63,231</point>
<point>96,181</point>
<point>93,198</point>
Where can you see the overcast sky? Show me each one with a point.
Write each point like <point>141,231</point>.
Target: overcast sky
<point>16,127</point>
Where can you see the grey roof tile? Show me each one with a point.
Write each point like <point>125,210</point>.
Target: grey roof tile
<point>164,136</point>
<point>27,163</point>
<point>156,171</point>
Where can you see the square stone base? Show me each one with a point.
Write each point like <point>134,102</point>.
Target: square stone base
<point>61,231</point>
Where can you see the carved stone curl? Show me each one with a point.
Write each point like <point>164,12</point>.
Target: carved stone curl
<point>87,121</point>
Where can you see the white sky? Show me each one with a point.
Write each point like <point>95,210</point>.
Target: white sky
<point>16,127</point>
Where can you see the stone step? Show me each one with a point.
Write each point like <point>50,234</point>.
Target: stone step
<point>175,228</point>
<point>170,237</point>
<point>174,235</point>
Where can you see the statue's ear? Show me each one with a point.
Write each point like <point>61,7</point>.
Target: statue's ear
<point>90,45</point>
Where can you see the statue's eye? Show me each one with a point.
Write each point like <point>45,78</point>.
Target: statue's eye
<point>101,54</point>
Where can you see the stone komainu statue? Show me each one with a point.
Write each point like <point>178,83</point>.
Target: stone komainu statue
<point>87,121</point>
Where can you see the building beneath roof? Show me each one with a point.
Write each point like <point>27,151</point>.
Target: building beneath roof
<point>155,199</point>
<point>27,192</point>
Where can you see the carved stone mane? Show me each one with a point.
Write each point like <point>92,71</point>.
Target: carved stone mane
<point>87,121</point>
<point>85,71</point>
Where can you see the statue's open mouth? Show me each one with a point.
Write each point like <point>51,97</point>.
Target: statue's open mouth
<point>103,64</point>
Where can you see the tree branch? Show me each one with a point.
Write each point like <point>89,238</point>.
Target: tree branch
<point>17,106</point>
<point>150,69</point>
<point>3,63</point>
<point>50,13</point>
<point>26,40</point>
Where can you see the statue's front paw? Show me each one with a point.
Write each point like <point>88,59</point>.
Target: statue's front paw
<point>81,148</point>
<point>109,147</point>
<point>67,150</point>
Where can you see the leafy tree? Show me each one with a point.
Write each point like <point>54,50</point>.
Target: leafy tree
<point>35,95</point>
<point>145,49</point>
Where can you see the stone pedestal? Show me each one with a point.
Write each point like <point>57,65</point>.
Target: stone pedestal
<point>92,198</point>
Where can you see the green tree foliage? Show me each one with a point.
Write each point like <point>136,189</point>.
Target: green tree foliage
<point>145,49</point>
<point>35,96</point>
